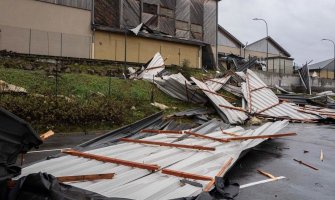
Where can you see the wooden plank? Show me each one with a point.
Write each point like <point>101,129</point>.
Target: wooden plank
<point>186,175</point>
<point>196,147</point>
<point>227,133</point>
<point>46,135</point>
<point>92,177</point>
<point>268,108</point>
<point>161,131</point>
<point>261,136</point>
<point>254,90</point>
<point>307,165</point>
<point>266,174</point>
<point>150,167</point>
<point>223,169</point>
<point>205,136</point>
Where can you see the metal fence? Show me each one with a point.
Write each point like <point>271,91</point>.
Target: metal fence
<point>30,41</point>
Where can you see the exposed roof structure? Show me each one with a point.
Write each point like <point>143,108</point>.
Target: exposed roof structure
<point>159,172</point>
<point>272,41</point>
<point>163,37</point>
<point>262,100</point>
<point>321,65</point>
<point>230,36</point>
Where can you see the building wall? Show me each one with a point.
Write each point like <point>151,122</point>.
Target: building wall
<point>293,82</point>
<point>32,14</point>
<point>261,47</point>
<point>34,27</point>
<point>326,74</point>
<point>258,54</point>
<point>112,46</point>
<point>281,65</point>
<point>229,50</point>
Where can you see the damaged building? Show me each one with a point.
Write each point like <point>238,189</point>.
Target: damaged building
<point>180,30</point>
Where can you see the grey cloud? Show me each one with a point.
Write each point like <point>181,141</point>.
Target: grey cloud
<point>298,25</point>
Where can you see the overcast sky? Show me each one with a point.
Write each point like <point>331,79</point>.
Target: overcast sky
<point>297,25</point>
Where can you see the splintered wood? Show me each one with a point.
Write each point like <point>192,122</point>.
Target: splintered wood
<point>46,135</point>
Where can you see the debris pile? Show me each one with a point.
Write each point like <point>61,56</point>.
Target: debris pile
<point>159,163</point>
<point>9,88</point>
<point>260,100</point>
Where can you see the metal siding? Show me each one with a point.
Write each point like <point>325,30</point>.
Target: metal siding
<point>107,13</point>
<point>210,26</point>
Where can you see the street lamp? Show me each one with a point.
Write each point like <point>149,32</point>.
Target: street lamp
<point>267,42</point>
<point>334,52</point>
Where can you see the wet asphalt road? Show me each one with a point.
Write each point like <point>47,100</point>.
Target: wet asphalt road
<point>276,157</point>
<point>273,156</point>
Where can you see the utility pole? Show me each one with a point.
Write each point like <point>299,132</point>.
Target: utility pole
<point>267,41</point>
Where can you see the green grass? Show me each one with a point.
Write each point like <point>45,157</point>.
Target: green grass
<point>123,94</point>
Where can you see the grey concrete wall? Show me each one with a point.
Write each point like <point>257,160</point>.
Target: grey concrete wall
<point>293,82</point>
<point>30,41</point>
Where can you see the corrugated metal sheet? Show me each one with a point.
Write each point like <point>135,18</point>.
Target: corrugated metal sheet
<point>210,26</point>
<point>143,184</point>
<point>305,78</point>
<point>217,83</point>
<point>132,12</point>
<point>229,115</point>
<point>262,99</point>
<point>177,86</point>
<point>155,66</point>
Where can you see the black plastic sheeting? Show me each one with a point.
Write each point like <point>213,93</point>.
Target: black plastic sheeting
<point>42,186</point>
<point>16,136</point>
<point>224,190</point>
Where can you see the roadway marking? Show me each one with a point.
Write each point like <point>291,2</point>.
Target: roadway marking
<point>261,182</point>
<point>49,150</point>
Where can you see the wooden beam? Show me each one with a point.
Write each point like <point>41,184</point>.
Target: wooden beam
<point>186,175</point>
<point>254,90</point>
<point>307,165</point>
<point>205,136</point>
<point>92,177</point>
<point>150,167</point>
<point>227,133</point>
<point>223,169</point>
<point>234,108</point>
<point>46,135</point>
<point>161,131</point>
<point>268,108</point>
<point>184,132</point>
<point>261,136</point>
<point>196,147</point>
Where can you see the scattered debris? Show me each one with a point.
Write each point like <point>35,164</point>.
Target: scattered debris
<point>9,88</point>
<point>307,165</point>
<point>266,174</point>
<point>254,121</point>
<point>305,151</point>
<point>160,166</point>
<point>228,113</point>
<point>321,155</point>
<point>46,135</point>
<point>160,106</point>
